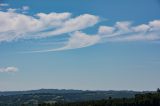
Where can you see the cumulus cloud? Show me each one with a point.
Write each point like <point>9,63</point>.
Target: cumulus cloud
<point>15,26</point>
<point>8,69</point>
<point>155,25</point>
<point>143,32</point>
<point>73,24</point>
<point>124,32</point>
<point>105,30</point>
<point>141,28</point>
<point>123,26</point>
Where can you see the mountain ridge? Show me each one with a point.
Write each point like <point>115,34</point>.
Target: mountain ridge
<point>60,91</point>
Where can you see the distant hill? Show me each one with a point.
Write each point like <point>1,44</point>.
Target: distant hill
<point>52,91</point>
<point>55,95</point>
<point>146,99</point>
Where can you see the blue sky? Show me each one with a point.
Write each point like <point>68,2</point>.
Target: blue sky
<point>80,44</point>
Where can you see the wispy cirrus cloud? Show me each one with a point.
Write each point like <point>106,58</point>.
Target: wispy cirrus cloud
<point>77,40</point>
<point>8,69</point>
<point>23,10</point>
<point>17,25</point>
<point>120,32</point>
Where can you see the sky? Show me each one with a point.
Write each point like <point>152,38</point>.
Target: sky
<point>79,44</point>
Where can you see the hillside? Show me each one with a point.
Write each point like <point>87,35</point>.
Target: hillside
<point>54,95</point>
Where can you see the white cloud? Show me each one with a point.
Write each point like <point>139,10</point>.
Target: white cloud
<point>25,8</point>
<point>105,30</point>
<point>80,40</point>
<point>136,37</point>
<point>15,26</point>
<point>4,4</point>
<point>141,28</point>
<point>123,26</point>
<point>53,16</point>
<point>73,24</point>
<point>155,25</point>
<point>143,32</point>
<point>124,32</point>
<point>9,69</point>
<point>12,9</point>
<point>53,20</point>
<point>77,40</point>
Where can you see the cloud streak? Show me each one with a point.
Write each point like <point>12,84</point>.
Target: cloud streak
<point>15,25</point>
<point>8,69</point>
<point>3,4</point>
<point>128,32</point>
<point>120,32</point>
<point>77,40</point>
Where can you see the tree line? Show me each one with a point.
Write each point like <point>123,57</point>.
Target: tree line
<point>148,99</point>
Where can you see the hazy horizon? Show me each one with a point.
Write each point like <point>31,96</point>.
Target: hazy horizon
<point>77,89</point>
<point>82,44</point>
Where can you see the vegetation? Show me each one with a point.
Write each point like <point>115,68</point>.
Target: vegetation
<point>58,96</point>
<point>80,98</point>
<point>148,99</point>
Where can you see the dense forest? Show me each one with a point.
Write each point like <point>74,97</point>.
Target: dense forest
<point>148,99</point>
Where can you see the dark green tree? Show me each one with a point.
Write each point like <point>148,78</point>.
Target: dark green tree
<point>158,90</point>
